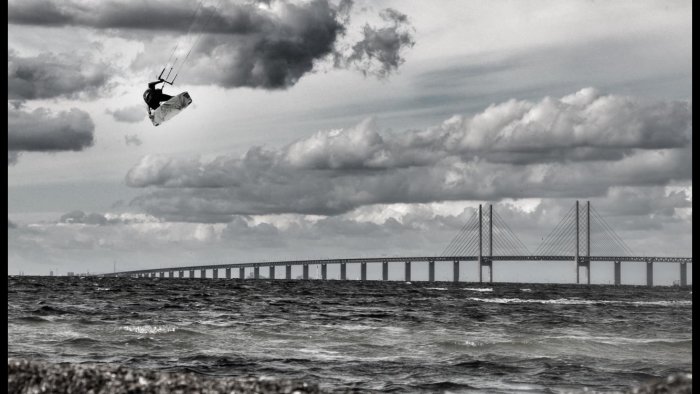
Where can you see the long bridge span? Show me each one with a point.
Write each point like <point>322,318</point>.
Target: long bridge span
<point>485,238</point>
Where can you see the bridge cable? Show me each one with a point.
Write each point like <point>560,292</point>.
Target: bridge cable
<point>554,234</point>
<point>471,246</point>
<point>614,235</point>
<point>549,241</point>
<point>499,219</point>
<point>562,239</point>
<point>458,237</point>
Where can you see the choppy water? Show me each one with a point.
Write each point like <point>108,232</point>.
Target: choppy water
<point>386,336</point>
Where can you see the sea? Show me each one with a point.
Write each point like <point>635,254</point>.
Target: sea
<point>363,336</point>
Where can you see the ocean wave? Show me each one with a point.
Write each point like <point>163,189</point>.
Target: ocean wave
<point>576,301</point>
<point>80,341</point>
<point>622,340</point>
<point>32,319</point>
<point>483,290</point>
<point>148,329</point>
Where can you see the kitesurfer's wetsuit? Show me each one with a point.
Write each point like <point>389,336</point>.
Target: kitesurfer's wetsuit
<point>153,97</point>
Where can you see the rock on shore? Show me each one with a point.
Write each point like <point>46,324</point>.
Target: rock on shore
<point>25,376</point>
<point>680,383</point>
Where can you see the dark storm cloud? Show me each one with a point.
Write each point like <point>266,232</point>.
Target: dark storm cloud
<point>133,114</point>
<point>54,75</point>
<point>43,131</point>
<point>10,224</point>
<point>175,16</point>
<point>502,152</point>
<point>252,47</point>
<point>273,55</point>
<point>243,44</point>
<point>379,51</point>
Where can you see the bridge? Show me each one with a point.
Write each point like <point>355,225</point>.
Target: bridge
<point>485,238</point>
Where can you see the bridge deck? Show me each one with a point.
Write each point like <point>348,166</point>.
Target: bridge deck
<point>409,259</point>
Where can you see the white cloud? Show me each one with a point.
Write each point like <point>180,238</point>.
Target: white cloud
<point>517,149</point>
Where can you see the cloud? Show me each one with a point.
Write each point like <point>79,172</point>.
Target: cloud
<point>12,158</point>
<point>132,140</point>
<point>176,16</point>
<point>578,146</point>
<point>269,44</point>
<point>50,75</point>
<point>83,218</point>
<point>99,219</point>
<point>41,130</point>
<point>379,51</point>
<point>252,46</point>
<point>10,224</point>
<point>141,241</point>
<point>132,114</point>
<point>278,49</point>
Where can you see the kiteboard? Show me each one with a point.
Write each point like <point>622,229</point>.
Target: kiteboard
<point>170,108</point>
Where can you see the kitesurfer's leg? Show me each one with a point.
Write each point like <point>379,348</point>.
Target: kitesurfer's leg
<point>164,97</point>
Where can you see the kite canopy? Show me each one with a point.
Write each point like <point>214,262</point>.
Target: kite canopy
<point>170,108</point>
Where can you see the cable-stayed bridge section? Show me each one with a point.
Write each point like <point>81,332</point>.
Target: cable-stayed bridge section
<point>582,236</point>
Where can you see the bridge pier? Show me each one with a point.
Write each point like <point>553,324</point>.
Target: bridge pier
<point>215,272</point>
<point>684,274</point>
<point>241,273</point>
<point>618,274</point>
<point>162,274</point>
<point>203,274</point>
<point>455,271</point>
<point>191,274</point>
<point>485,263</point>
<point>343,271</point>
<point>431,271</point>
<point>587,264</point>
<point>228,273</point>
<point>256,272</point>
<point>407,273</point>
<point>650,273</point>
<point>171,274</point>
<point>324,271</point>
<point>181,274</point>
<point>289,272</point>
<point>385,270</point>
<point>363,271</point>
<point>272,272</point>
<point>306,272</point>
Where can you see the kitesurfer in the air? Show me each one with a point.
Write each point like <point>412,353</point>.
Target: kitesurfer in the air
<point>153,97</point>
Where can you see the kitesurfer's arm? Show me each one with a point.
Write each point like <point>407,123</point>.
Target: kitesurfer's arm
<point>152,85</point>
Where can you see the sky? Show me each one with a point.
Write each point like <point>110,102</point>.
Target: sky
<point>342,129</point>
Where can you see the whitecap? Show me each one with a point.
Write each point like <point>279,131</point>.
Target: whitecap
<point>576,301</point>
<point>483,290</point>
<point>148,329</point>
